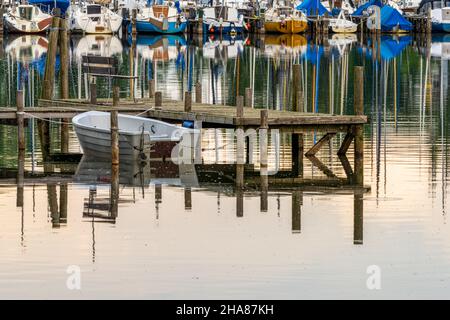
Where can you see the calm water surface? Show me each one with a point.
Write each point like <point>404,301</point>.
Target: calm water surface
<point>178,236</point>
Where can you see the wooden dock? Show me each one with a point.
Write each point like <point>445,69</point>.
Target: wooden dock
<point>209,115</point>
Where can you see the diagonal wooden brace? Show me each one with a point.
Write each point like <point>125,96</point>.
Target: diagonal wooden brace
<point>346,143</point>
<point>315,148</point>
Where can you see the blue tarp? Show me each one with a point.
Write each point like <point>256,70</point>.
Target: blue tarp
<point>48,5</point>
<point>361,9</point>
<point>309,7</point>
<point>390,18</point>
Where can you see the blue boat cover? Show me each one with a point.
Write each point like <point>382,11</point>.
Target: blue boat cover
<point>309,7</point>
<point>390,18</point>
<point>48,5</point>
<point>361,9</point>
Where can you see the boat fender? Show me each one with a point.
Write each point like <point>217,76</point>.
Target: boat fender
<point>188,124</point>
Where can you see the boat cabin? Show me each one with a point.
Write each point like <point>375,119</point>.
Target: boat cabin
<point>26,12</point>
<point>433,4</point>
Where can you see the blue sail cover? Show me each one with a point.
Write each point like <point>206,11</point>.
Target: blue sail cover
<point>390,18</point>
<point>309,7</point>
<point>48,5</point>
<point>361,9</point>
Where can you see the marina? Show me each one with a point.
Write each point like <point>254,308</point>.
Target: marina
<point>225,151</point>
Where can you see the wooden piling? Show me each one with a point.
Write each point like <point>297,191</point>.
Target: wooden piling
<point>264,117</point>
<point>239,106</point>
<point>297,202</point>
<point>20,120</point>
<point>93,93</point>
<point>49,74</point>
<point>115,128</point>
<point>358,218</point>
<point>198,92</point>
<point>187,101</point>
<point>296,83</point>
<point>115,154</point>
<point>187,198</point>
<point>151,88</point>
<point>248,97</point>
<point>297,155</point>
<point>64,59</point>
<point>358,129</point>
<point>158,99</point>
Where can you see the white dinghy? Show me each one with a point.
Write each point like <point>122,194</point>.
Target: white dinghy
<point>136,135</point>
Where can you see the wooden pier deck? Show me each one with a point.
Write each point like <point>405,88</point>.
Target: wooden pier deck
<point>209,115</point>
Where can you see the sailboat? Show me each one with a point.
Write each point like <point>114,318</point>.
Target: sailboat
<point>283,18</point>
<point>93,18</point>
<point>163,19</point>
<point>342,25</point>
<point>26,19</point>
<point>223,20</point>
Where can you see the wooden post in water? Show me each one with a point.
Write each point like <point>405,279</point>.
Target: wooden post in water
<point>20,120</point>
<point>297,155</point>
<point>49,74</point>
<point>93,93</point>
<point>358,129</point>
<point>133,22</point>
<point>240,161</point>
<point>158,100</point>
<point>248,97</point>
<point>151,88</point>
<point>239,107</point>
<point>296,83</point>
<point>187,101</point>
<point>297,202</point>
<point>358,217</point>
<point>187,198</point>
<point>63,200</point>
<point>64,88</point>
<point>64,54</point>
<point>115,154</point>
<point>20,147</point>
<point>198,92</point>
<point>263,144</point>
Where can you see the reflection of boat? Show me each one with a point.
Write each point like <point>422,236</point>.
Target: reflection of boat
<point>161,48</point>
<point>26,19</point>
<point>94,170</point>
<point>136,134</point>
<point>160,19</point>
<point>440,14</point>
<point>440,47</point>
<point>27,48</point>
<point>104,45</point>
<point>223,19</point>
<point>93,18</point>
<point>221,49</point>
<point>284,45</point>
<point>284,19</point>
<point>390,47</point>
<point>342,25</point>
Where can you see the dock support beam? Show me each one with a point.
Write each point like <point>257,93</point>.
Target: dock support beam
<point>358,129</point>
<point>21,148</point>
<point>198,92</point>
<point>297,154</point>
<point>297,202</point>
<point>115,154</point>
<point>158,100</point>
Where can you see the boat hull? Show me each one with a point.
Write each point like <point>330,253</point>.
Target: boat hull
<point>224,28</point>
<point>440,27</point>
<point>26,27</point>
<point>290,26</point>
<point>149,27</point>
<point>344,29</point>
